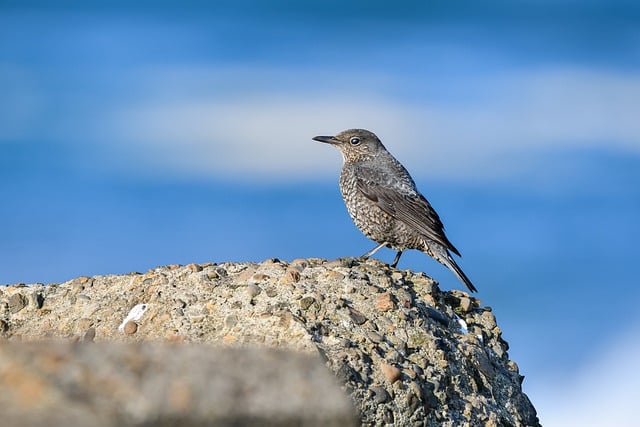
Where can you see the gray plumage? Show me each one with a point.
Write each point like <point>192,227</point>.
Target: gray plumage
<point>384,203</point>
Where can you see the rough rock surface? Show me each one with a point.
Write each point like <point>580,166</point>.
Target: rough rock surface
<point>148,384</point>
<point>406,352</point>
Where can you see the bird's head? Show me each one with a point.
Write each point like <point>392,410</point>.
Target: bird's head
<point>354,144</point>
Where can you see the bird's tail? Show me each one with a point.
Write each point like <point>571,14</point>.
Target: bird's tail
<point>440,254</point>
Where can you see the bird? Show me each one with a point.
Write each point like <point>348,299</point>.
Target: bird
<point>385,204</point>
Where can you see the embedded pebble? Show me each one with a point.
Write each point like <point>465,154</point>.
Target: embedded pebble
<point>253,290</point>
<point>17,302</point>
<point>436,315</point>
<point>290,276</point>
<point>374,336</point>
<point>465,304</point>
<point>384,302</point>
<point>271,292</point>
<point>300,263</point>
<point>259,277</point>
<point>380,394</point>
<point>306,302</point>
<point>130,327</point>
<point>357,317</point>
<point>194,267</point>
<point>391,373</point>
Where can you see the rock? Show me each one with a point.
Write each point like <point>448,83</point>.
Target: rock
<point>384,302</point>
<point>380,394</point>
<point>391,373</point>
<point>130,327</point>
<point>291,276</point>
<point>259,277</point>
<point>253,290</point>
<point>465,304</point>
<point>17,302</point>
<point>300,264</point>
<point>434,375</point>
<point>111,384</point>
<point>357,317</point>
<point>306,302</point>
<point>194,267</point>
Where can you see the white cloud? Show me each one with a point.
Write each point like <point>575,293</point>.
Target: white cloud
<point>255,136</point>
<point>267,134</point>
<point>603,393</point>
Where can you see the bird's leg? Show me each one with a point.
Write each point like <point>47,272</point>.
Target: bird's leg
<point>374,250</point>
<point>396,259</point>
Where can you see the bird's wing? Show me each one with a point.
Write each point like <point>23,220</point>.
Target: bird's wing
<point>410,207</point>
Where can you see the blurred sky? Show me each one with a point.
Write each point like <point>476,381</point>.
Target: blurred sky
<point>133,136</point>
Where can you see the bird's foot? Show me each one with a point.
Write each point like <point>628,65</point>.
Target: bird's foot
<point>396,259</point>
<point>374,250</point>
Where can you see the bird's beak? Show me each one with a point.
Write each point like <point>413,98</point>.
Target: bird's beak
<point>327,139</point>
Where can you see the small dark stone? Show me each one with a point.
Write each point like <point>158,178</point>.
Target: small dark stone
<point>380,394</point>
<point>341,303</point>
<point>357,317</point>
<point>17,302</point>
<point>306,302</point>
<point>38,300</point>
<point>437,316</point>
<point>346,262</point>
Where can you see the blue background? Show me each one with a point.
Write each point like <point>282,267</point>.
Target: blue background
<point>133,136</point>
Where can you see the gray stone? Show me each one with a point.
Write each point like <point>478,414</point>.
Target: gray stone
<point>109,384</point>
<point>443,376</point>
<point>17,302</point>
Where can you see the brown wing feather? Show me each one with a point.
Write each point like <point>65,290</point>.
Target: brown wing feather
<point>412,209</point>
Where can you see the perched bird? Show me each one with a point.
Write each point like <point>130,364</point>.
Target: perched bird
<point>385,204</point>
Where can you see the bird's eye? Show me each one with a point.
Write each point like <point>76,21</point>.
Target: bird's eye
<point>354,141</point>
